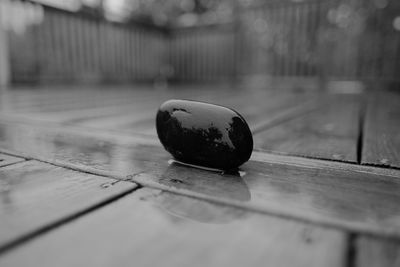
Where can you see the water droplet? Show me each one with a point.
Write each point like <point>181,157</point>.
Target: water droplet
<point>384,161</point>
<point>177,181</point>
<point>109,184</point>
<point>337,156</point>
<point>106,185</point>
<point>307,236</point>
<point>242,173</point>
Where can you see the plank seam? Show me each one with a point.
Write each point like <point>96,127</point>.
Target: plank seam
<point>147,182</point>
<point>360,138</point>
<point>113,175</point>
<point>288,115</point>
<point>69,218</point>
<point>321,222</point>
<point>304,162</point>
<point>376,150</point>
<point>304,156</point>
<point>351,251</point>
<point>63,165</point>
<point>381,166</point>
<point>23,160</point>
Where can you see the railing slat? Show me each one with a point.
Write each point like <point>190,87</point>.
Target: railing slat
<point>298,40</point>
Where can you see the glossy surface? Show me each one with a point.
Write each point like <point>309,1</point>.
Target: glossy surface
<point>35,195</point>
<point>204,134</point>
<point>132,111</point>
<point>381,143</point>
<point>93,131</point>
<point>152,228</point>
<point>343,195</point>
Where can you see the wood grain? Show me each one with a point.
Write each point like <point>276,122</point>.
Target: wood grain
<point>335,194</point>
<point>153,228</point>
<point>330,132</point>
<point>263,112</point>
<point>381,144</point>
<point>6,160</point>
<point>373,252</point>
<point>35,195</point>
<point>134,111</point>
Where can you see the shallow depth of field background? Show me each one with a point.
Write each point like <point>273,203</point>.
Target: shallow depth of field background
<point>165,42</point>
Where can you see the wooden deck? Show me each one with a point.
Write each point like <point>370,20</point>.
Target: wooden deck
<point>84,181</point>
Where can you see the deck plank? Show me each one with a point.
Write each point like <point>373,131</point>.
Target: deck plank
<point>264,111</point>
<point>6,160</point>
<point>381,144</point>
<point>134,111</point>
<point>330,132</point>
<point>35,195</point>
<point>327,194</point>
<point>372,252</point>
<point>347,196</point>
<point>153,228</point>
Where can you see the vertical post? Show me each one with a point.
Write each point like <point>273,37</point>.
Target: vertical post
<point>237,43</point>
<point>4,52</point>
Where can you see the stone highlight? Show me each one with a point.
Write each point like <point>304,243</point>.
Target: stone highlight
<point>204,134</point>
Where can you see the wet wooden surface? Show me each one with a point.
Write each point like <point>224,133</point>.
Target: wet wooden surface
<point>375,252</point>
<point>153,228</point>
<point>308,174</point>
<point>36,195</point>
<point>382,131</point>
<point>329,132</point>
<point>133,111</point>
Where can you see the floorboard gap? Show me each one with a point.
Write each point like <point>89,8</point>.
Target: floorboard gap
<point>147,183</point>
<point>25,238</point>
<point>13,163</point>
<point>360,138</point>
<point>304,156</point>
<point>351,251</point>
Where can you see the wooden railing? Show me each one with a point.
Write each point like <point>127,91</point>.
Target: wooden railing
<point>66,47</point>
<point>277,38</point>
<point>203,53</point>
<point>294,39</point>
<point>280,38</point>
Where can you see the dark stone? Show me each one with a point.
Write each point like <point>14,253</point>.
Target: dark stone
<point>204,134</point>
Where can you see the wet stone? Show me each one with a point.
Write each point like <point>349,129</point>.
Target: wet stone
<point>204,134</point>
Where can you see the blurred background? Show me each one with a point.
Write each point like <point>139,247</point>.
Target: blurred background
<point>163,42</point>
